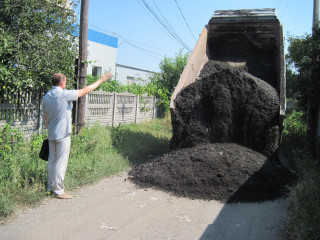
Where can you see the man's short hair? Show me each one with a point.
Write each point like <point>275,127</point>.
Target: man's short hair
<point>58,78</point>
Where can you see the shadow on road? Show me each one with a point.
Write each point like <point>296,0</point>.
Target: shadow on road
<point>249,221</point>
<point>251,212</point>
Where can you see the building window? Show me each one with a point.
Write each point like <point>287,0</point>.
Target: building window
<point>130,80</point>
<point>96,71</point>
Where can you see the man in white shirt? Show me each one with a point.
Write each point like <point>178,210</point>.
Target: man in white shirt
<point>57,112</point>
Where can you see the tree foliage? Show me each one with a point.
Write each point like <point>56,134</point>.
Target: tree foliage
<point>37,39</point>
<point>164,83</point>
<point>171,69</point>
<point>303,58</point>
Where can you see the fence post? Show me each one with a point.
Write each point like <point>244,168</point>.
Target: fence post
<point>136,110</point>
<point>153,106</point>
<point>114,109</point>
<point>39,112</point>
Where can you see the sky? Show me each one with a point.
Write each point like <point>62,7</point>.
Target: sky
<point>144,42</point>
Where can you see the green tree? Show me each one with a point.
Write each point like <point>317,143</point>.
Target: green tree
<point>37,39</point>
<point>303,58</point>
<point>298,69</point>
<point>298,140</point>
<point>171,69</point>
<point>162,84</point>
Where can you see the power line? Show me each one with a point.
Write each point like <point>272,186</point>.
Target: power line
<point>156,22</point>
<point>150,53</point>
<point>283,10</point>
<point>169,25</point>
<point>163,24</point>
<point>129,40</point>
<point>145,51</point>
<point>178,39</point>
<point>279,4</point>
<point>185,20</point>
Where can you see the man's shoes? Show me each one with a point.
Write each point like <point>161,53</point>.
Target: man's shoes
<point>63,196</point>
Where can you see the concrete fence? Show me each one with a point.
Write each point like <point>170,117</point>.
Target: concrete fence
<point>112,109</point>
<point>24,111</point>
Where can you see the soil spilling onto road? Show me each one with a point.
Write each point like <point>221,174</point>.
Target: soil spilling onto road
<point>222,171</point>
<point>227,104</point>
<point>225,136</point>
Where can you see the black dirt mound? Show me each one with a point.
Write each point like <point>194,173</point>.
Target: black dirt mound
<point>226,131</point>
<point>227,104</point>
<point>221,171</point>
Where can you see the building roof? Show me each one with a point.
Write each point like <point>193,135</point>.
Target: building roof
<point>134,68</point>
<point>102,38</point>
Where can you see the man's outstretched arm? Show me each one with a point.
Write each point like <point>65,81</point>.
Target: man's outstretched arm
<point>84,91</point>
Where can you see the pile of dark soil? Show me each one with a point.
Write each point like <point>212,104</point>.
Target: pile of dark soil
<point>223,171</point>
<point>226,131</point>
<point>227,104</point>
<point>259,55</point>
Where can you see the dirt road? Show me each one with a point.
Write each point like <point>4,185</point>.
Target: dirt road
<point>116,209</point>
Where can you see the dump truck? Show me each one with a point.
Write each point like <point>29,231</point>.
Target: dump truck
<point>249,38</point>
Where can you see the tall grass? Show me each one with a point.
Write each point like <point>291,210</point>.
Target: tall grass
<point>139,142</point>
<point>304,197</point>
<point>96,153</point>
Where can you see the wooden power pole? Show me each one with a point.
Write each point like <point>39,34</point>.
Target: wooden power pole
<point>317,110</point>
<point>82,64</point>
<point>313,112</point>
<point>315,14</point>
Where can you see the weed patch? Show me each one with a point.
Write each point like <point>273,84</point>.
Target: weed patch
<point>138,143</point>
<point>95,153</point>
<point>304,197</point>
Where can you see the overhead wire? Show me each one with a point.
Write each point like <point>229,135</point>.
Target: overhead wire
<point>279,4</point>
<point>185,20</point>
<point>128,41</point>
<point>283,10</point>
<point>156,22</point>
<point>169,25</point>
<point>150,53</point>
<point>174,35</point>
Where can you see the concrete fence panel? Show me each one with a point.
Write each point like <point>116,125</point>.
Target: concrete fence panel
<point>24,111</point>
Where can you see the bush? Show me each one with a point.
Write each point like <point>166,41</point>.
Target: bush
<point>92,157</point>
<point>294,137</point>
<point>295,127</point>
<point>139,142</point>
<point>304,197</point>
<point>7,207</point>
<point>304,207</point>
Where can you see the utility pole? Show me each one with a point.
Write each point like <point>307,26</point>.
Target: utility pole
<point>315,14</point>
<point>317,110</point>
<point>82,62</point>
<point>313,113</point>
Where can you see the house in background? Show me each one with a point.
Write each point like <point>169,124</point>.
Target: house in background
<point>127,75</point>
<point>102,57</point>
<point>102,53</point>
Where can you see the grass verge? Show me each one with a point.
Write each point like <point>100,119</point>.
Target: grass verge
<point>96,153</point>
<point>304,198</point>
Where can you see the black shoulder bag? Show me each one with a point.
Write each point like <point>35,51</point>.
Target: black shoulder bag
<point>44,152</point>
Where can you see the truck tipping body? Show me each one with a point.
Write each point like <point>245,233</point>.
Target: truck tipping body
<point>251,37</point>
<point>233,86</point>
